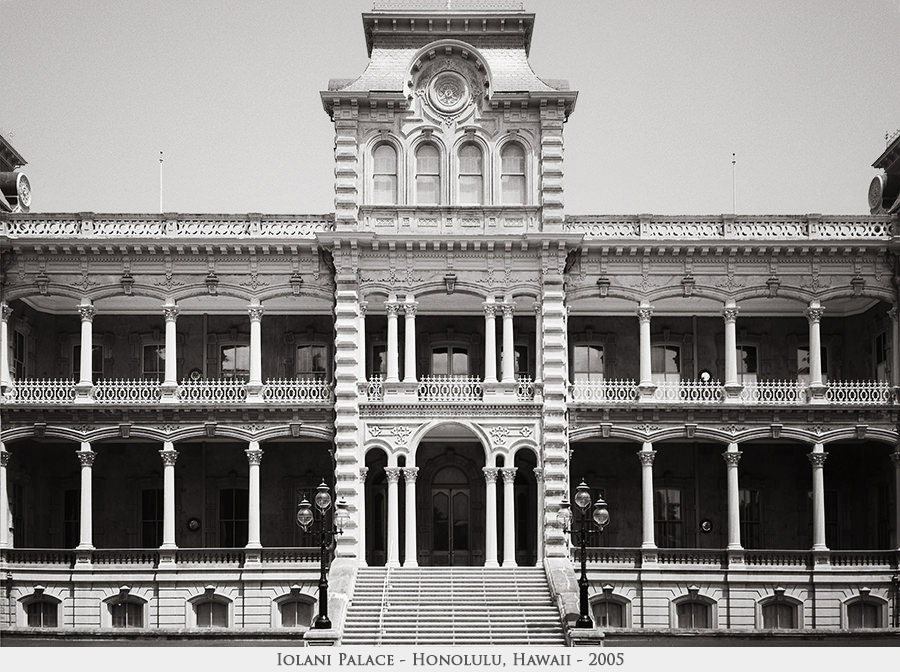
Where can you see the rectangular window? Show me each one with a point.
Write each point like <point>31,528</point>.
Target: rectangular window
<point>882,358</point>
<point>154,362</point>
<point>71,518</point>
<point>42,614</point>
<point>379,360</point>
<point>450,361</point>
<point>235,361</point>
<point>312,361</point>
<point>233,517</point>
<point>151,518</point>
<point>96,362</point>
<point>665,363</point>
<point>587,363</point>
<point>803,364</point>
<point>668,513</point>
<point>18,355</point>
<point>751,519</point>
<point>747,364</point>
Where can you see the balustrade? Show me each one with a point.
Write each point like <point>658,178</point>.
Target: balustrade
<point>126,392</point>
<point>774,392</point>
<point>693,391</point>
<point>608,391</point>
<point>229,391</point>
<point>298,391</point>
<point>524,388</point>
<point>375,389</point>
<point>149,557</point>
<point>450,388</point>
<point>859,392</point>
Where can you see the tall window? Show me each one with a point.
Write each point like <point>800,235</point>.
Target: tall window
<point>668,513</point>
<point>450,360</point>
<point>587,363</point>
<point>235,361</point>
<point>751,524</point>
<point>42,614</point>
<point>882,357</point>
<point>18,353</point>
<point>384,173</point>
<point>71,518</point>
<point>151,517</point>
<point>512,175</point>
<point>211,614</point>
<point>127,613</point>
<point>312,361</point>
<point>693,614</point>
<point>233,517</point>
<point>96,362</point>
<point>608,613</point>
<point>665,363</point>
<point>428,175</point>
<point>747,364</point>
<point>863,614</point>
<point>154,361</point>
<point>379,360</point>
<point>803,364</point>
<point>471,175</point>
<point>296,613</point>
<point>779,615</point>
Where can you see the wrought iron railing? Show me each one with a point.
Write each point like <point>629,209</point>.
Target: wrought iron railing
<point>126,392</point>
<point>606,391</point>
<point>227,391</point>
<point>298,391</point>
<point>691,391</point>
<point>450,388</point>
<point>859,392</point>
<point>774,392</point>
<point>43,392</point>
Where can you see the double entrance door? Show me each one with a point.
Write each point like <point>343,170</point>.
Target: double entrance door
<point>450,529</point>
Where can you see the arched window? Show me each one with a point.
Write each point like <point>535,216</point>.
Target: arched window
<point>127,613</point>
<point>608,613</point>
<point>211,614</point>
<point>42,613</point>
<point>864,613</point>
<point>471,175</point>
<point>296,613</point>
<point>512,175</point>
<point>693,613</point>
<point>779,612</point>
<point>384,175</point>
<point>428,175</point>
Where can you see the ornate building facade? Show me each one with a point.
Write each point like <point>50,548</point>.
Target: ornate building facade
<point>453,353</point>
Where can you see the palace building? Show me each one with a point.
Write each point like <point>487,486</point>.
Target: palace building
<point>452,352</point>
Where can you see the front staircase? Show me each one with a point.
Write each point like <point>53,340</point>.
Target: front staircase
<point>452,605</point>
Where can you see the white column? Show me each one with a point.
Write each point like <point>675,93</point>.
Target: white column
<point>393,527</point>
<point>4,501</point>
<point>509,517</point>
<point>6,377</point>
<point>729,313</point>
<point>409,372</point>
<point>86,457</point>
<point>361,340</point>
<point>893,314</point>
<point>732,456</point>
<point>86,311</point>
<point>254,457</point>
<point>255,311</point>
<point>895,456</point>
<point>644,313</point>
<point>361,516</point>
<point>539,478</point>
<point>538,341</point>
<point>817,459</point>
<point>490,341</point>
<point>814,315</point>
<point>170,311</point>
<point>646,455</point>
<point>411,548</point>
<point>393,355</point>
<point>490,517</point>
<point>509,350</point>
<point>169,455</point>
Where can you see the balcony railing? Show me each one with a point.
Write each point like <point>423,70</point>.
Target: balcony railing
<point>715,558</point>
<point>450,388</point>
<point>730,227</point>
<point>298,391</point>
<point>451,220</point>
<point>150,557</point>
<point>41,392</point>
<point>760,392</point>
<point>126,392</point>
<point>228,391</point>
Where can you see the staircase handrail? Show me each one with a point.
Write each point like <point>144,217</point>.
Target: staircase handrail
<point>384,591</point>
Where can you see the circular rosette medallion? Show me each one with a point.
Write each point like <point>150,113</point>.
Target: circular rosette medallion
<point>448,92</point>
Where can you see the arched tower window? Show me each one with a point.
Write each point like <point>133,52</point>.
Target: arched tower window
<point>384,175</point>
<point>512,175</point>
<point>428,175</point>
<point>471,175</point>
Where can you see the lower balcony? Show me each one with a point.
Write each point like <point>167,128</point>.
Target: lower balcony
<point>145,558</point>
<point>451,389</point>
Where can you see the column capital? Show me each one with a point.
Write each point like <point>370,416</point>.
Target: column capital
<point>5,312</point>
<point>392,473</point>
<point>363,472</point>
<point>256,312</point>
<point>814,313</point>
<point>508,310</point>
<point>895,456</point>
<point>646,457</point>
<point>509,474</point>
<point>410,474</point>
<point>254,454</point>
<point>86,457</point>
<point>169,456</point>
<point>170,312</point>
<point>817,459</point>
<point>490,474</point>
<point>538,309</point>
<point>392,308</point>
<point>644,312</point>
<point>893,313</point>
<point>86,311</point>
<point>732,457</point>
<point>538,474</point>
<point>4,457</point>
<point>490,308</point>
<point>730,313</point>
<point>363,307</point>
<point>410,309</point>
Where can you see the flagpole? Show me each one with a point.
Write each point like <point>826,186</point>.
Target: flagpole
<point>160,181</point>
<point>733,185</point>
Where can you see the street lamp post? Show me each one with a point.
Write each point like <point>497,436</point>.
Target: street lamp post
<point>600,518</point>
<point>305,517</point>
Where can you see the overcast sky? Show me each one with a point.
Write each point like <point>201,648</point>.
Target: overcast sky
<point>803,91</point>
